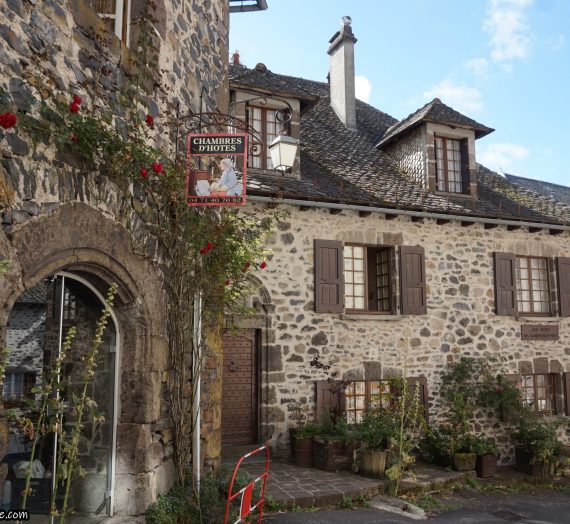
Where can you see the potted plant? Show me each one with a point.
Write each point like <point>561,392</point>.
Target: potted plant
<point>303,447</point>
<point>536,445</point>
<point>333,447</point>
<point>376,434</point>
<point>487,454</point>
<point>437,445</point>
<point>463,454</point>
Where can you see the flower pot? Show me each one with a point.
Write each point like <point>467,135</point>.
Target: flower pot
<point>486,465</point>
<point>524,462</point>
<point>332,455</point>
<point>372,463</point>
<point>304,452</point>
<point>464,461</point>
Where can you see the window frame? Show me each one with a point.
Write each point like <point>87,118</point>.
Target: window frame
<point>519,290</point>
<point>264,155</point>
<point>384,394</point>
<point>551,392</point>
<point>392,274</point>
<point>121,17</point>
<point>444,160</point>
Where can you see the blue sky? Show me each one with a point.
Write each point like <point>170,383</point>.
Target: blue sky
<point>505,63</point>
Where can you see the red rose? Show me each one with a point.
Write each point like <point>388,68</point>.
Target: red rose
<point>144,172</point>
<point>245,267</point>
<point>149,121</point>
<point>203,251</point>
<point>73,138</point>
<point>157,167</point>
<point>77,100</point>
<point>263,265</point>
<point>73,107</point>
<point>210,246</point>
<point>227,282</point>
<point>8,120</point>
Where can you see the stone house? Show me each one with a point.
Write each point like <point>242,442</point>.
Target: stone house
<point>400,251</point>
<point>66,236</point>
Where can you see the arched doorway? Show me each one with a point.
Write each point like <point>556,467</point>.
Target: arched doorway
<point>35,334</point>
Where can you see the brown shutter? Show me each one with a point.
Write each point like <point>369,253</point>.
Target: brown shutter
<point>505,284</point>
<point>421,383</point>
<point>329,281</point>
<point>413,280</point>
<point>394,282</point>
<point>330,399</point>
<point>563,272</point>
<point>566,386</point>
<point>552,287</point>
<point>465,174</point>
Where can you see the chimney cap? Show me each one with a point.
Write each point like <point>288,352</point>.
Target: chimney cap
<point>346,20</point>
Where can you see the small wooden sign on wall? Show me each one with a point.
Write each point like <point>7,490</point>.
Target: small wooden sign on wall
<point>542,332</point>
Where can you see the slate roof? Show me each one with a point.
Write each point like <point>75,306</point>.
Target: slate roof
<point>434,111</point>
<point>35,295</point>
<point>547,189</point>
<point>345,166</point>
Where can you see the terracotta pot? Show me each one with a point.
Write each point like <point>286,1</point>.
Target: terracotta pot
<point>486,465</point>
<point>304,452</point>
<point>372,463</point>
<point>464,461</point>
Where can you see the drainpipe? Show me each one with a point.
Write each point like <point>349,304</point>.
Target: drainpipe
<point>390,211</point>
<point>197,375</point>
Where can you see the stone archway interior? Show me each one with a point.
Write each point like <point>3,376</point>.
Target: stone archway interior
<point>36,328</point>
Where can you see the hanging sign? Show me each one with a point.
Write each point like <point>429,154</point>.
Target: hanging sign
<point>218,182</point>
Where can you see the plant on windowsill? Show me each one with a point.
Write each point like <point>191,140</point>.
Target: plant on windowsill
<point>537,448</point>
<point>487,455</point>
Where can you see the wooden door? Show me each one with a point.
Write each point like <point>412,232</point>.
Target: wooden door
<point>239,388</point>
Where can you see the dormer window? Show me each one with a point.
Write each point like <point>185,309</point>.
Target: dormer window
<point>264,122</point>
<point>452,175</point>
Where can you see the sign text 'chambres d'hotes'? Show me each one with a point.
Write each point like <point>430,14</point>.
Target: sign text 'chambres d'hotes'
<point>217,145</point>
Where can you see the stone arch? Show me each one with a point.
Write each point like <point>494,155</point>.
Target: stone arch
<point>80,239</point>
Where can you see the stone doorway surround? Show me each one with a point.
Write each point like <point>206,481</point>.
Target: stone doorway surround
<point>77,238</point>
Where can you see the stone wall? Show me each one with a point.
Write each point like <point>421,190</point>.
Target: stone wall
<point>460,321</point>
<point>64,217</point>
<point>409,153</point>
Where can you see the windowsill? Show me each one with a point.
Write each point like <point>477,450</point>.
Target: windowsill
<point>521,318</point>
<point>466,196</point>
<point>369,316</point>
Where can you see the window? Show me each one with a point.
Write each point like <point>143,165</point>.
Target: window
<point>526,285</point>
<point>264,122</point>
<point>367,278</point>
<point>452,169</point>
<point>533,295</point>
<point>351,399</point>
<point>18,384</point>
<point>116,14</point>
<point>364,279</point>
<point>539,392</point>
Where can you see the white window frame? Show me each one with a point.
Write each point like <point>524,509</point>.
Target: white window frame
<point>118,17</point>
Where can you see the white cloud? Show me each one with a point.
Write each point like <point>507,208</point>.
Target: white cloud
<point>500,157</point>
<point>508,28</point>
<point>363,87</point>
<point>479,66</point>
<point>557,43</point>
<point>460,97</point>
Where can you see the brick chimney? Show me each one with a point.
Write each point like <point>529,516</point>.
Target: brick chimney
<point>341,51</point>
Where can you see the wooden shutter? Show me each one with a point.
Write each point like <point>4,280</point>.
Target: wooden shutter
<point>563,273</point>
<point>330,400</point>
<point>329,280</point>
<point>413,280</point>
<point>465,174</point>
<point>505,284</point>
<point>421,383</point>
<point>566,391</point>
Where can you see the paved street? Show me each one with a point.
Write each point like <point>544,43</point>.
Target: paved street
<point>466,507</point>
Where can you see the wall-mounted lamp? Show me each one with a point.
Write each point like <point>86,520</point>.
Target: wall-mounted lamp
<point>283,149</point>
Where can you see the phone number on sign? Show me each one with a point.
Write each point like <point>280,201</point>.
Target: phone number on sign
<point>20,514</point>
